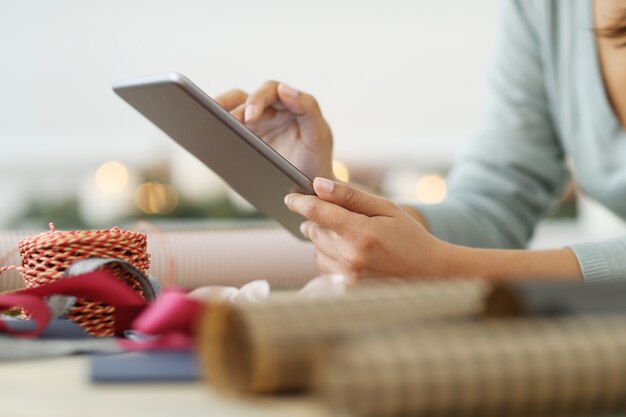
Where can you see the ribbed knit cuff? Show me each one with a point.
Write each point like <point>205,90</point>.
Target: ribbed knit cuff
<point>593,262</point>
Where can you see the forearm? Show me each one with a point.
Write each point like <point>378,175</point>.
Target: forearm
<point>503,264</point>
<point>500,264</point>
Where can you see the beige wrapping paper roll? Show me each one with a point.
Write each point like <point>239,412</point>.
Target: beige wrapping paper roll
<point>270,346</point>
<point>191,259</point>
<point>231,257</point>
<point>9,255</point>
<point>522,367</point>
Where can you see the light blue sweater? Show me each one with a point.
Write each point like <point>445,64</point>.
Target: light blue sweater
<point>547,104</point>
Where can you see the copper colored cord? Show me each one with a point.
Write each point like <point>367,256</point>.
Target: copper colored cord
<point>46,256</point>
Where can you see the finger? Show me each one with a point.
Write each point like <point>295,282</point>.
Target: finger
<point>270,129</point>
<point>237,112</point>
<point>303,105</point>
<point>324,239</point>
<point>268,114</point>
<point>341,252</point>
<point>280,95</point>
<point>279,106</point>
<point>352,198</point>
<point>258,101</point>
<point>327,215</point>
<point>326,264</point>
<point>231,99</point>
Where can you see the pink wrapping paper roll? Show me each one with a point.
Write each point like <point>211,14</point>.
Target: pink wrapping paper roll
<point>9,255</point>
<point>191,259</point>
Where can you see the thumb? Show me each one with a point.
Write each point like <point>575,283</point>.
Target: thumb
<point>352,198</point>
<point>303,105</point>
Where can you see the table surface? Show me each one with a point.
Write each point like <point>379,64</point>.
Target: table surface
<point>60,387</point>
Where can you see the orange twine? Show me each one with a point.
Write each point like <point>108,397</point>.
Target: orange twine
<point>46,256</point>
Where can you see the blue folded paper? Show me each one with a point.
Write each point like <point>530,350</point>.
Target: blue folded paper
<point>150,366</point>
<point>60,338</point>
<point>56,328</point>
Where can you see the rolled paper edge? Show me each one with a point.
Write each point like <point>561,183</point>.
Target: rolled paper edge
<point>225,348</point>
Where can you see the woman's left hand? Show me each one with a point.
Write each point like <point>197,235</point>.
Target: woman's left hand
<point>362,235</point>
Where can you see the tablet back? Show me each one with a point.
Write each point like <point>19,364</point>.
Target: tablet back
<point>190,117</point>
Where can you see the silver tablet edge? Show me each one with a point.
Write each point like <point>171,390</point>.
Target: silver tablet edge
<point>301,180</point>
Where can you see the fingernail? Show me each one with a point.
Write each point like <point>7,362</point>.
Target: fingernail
<point>324,184</point>
<point>288,90</point>
<point>248,113</point>
<point>287,200</point>
<point>303,228</point>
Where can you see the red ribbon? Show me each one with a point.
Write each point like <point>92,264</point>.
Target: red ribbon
<point>172,319</point>
<point>96,286</point>
<point>36,307</point>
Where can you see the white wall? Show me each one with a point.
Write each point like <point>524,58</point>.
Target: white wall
<point>399,80</point>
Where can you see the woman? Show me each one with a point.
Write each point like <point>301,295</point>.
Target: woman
<point>557,94</point>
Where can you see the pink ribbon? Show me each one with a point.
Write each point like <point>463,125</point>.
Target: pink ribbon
<point>172,320</point>
<point>170,323</point>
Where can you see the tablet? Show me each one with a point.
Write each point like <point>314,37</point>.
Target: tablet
<point>196,122</point>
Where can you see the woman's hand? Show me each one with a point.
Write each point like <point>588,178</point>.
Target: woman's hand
<point>362,235</point>
<point>288,120</point>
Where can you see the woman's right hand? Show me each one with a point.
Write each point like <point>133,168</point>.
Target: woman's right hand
<point>288,120</point>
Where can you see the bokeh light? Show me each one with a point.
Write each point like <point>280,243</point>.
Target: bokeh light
<point>111,177</point>
<point>341,171</point>
<point>156,198</point>
<point>431,189</point>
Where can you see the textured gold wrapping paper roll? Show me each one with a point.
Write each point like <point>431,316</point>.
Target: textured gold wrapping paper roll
<point>270,346</point>
<point>566,366</point>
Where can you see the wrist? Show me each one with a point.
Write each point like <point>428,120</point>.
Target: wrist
<point>443,260</point>
<point>435,258</point>
<point>416,214</point>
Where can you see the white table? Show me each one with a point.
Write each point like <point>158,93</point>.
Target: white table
<point>60,388</point>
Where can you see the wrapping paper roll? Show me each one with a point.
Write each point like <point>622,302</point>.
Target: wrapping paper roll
<point>9,255</point>
<point>517,368</point>
<point>231,257</point>
<point>537,298</point>
<point>192,259</point>
<point>270,346</point>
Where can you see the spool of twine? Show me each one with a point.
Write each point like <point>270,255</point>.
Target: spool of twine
<point>46,256</point>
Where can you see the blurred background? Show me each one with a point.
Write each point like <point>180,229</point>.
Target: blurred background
<point>401,83</point>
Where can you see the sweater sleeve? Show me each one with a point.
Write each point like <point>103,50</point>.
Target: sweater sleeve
<point>602,261</point>
<point>509,173</point>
